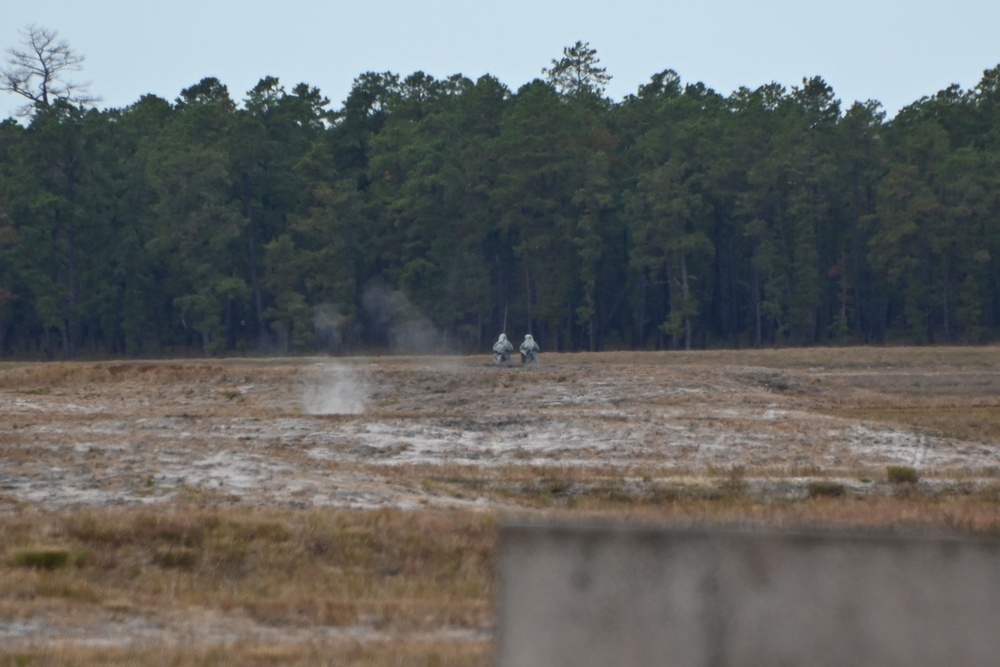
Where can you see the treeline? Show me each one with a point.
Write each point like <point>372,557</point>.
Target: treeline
<point>430,214</point>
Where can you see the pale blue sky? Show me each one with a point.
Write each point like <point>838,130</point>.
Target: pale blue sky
<point>895,51</point>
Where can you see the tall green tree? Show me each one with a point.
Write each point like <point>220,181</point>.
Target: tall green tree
<point>51,223</point>
<point>577,73</point>
<point>198,217</point>
<point>902,247</point>
<point>670,212</point>
<point>861,149</point>
<point>267,139</point>
<point>540,157</point>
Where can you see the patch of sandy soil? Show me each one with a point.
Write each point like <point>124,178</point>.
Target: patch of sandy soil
<point>338,433</point>
<point>317,433</point>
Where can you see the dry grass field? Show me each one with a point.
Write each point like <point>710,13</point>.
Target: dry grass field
<point>345,511</point>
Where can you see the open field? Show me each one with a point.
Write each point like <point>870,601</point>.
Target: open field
<point>331,511</point>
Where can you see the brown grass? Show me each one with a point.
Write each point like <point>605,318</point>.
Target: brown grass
<point>408,577</point>
<point>317,567</point>
<point>401,574</point>
<point>965,420</point>
<point>266,584</point>
<point>250,654</point>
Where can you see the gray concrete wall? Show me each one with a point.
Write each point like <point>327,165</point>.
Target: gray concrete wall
<point>623,596</point>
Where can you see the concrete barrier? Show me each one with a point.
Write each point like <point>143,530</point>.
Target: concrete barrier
<point>624,596</point>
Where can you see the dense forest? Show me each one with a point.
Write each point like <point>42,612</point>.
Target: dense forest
<point>429,215</point>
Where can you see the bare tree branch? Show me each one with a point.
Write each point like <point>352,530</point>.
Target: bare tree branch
<point>36,70</point>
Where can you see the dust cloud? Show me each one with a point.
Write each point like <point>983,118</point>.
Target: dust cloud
<point>335,390</point>
<point>329,326</point>
<point>397,323</point>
